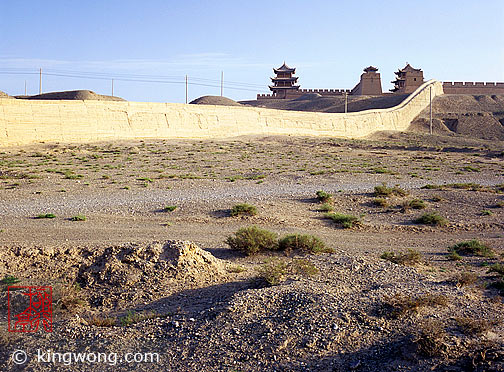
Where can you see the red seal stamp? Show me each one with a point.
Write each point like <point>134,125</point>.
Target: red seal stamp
<point>29,307</point>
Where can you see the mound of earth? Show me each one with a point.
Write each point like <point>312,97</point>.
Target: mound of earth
<point>477,116</point>
<point>214,100</point>
<point>129,265</point>
<point>82,95</point>
<point>314,102</point>
<point>4,95</point>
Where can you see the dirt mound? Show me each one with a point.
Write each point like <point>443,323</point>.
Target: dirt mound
<point>83,95</point>
<point>477,116</point>
<point>4,95</point>
<point>214,100</point>
<point>129,265</point>
<point>314,102</point>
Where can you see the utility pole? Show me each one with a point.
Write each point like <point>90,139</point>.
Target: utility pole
<point>221,83</point>
<point>40,81</point>
<point>186,89</point>
<point>430,105</point>
<point>112,87</point>
<point>25,88</point>
<point>346,102</point>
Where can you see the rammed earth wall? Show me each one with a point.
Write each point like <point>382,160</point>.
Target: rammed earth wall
<point>30,121</point>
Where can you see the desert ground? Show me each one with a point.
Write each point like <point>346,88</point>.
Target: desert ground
<point>133,238</point>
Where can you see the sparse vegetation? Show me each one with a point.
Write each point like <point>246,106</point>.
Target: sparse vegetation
<point>243,209</point>
<point>324,197</point>
<point>326,207</point>
<point>432,218</point>
<point>386,191</point>
<point>252,240</point>
<point>79,217</point>
<point>414,204</point>
<point>169,208</point>
<point>472,247</point>
<point>273,273</point>
<point>497,268</point>
<point>473,327</point>
<point>345,220</point>
<point>380,202</point>
<point>9,280</point>
<point>45,215</point>
<point>466,278</point>
<point>400,305</point>
<point>412,257</point>
<point>304,244</point>
<point>429,338</point>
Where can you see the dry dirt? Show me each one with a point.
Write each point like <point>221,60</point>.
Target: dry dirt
<point>73,95</point>
<point>135,277</point>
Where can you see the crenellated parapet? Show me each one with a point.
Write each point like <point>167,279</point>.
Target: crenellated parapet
<point>460,87</point>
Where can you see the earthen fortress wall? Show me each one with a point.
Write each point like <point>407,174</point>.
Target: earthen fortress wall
<point>30,121</point>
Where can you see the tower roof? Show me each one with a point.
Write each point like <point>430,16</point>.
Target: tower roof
<point>370,69</point>
<point>409,68</point>
<point>284,68</point>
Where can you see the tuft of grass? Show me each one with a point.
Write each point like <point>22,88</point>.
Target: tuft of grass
<point>326,207</point>
<point>100,321</point>
<point>486,212</point>
<point>414,204</point>
<point>46,215</point>
<point>68,297</point>
<point>324,197</point>
<point>466,278</point>
<point>303,243</point>
<point>252,240</point>
<point>79,217</point>
<point>304,267</point>
<point>432,218</point>
<point>380,202</point>
<point>497,268</point>
<point>454,256</point>
<point>429,338</point>
<point>10,280</point>
<point>133,317</point>
<point>345,220</point>
<point>236,269</point>
<point>273,273</point>
<point>384,190</point>
<point>412,257</point>
<point>472,327</point>
<point>472,247</point>
<point>400,305</point>
<point>169,208</point>
<point>243,209</point>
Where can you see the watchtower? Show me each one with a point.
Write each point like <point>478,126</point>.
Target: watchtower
<point>284,82</point>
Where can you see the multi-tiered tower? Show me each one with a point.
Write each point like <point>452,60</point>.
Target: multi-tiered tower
<point>408,80</point>
<point>284,82</point>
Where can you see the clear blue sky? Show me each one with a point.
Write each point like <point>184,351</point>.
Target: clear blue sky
<point>329,42</point>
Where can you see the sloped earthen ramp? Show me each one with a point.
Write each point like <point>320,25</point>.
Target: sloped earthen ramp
<point>30,121</point>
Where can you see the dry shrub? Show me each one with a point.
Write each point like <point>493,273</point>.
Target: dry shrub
<point>466,278</point>
<point>429,338</point>
<point>400,305</point>
<point>251,240</point>
<point>472,327</point>
<point>412,257</point>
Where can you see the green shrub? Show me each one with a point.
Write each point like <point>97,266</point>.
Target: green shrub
<point>416,204</point>
<point>497,268</point>
<point>412,257</point>
<point>46,215</point>
<point>486,212</point>
<point>9,280</point>
<point>273,273</point>
<point>345,220</point>
<point>380,202</point>
<point>432,218</point>
<point>303,243</point>
<point>473,247</point>
<point>243,209</point>
<point>324,197</point>
<point>326,207</point>
<point>79,217</point>
<point>384,190</point>
<point>251,240</point>
<point>453,255</point>
<point>304,267</point>
<point>169,208</point>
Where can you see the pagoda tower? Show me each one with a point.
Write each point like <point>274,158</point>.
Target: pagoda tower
<point>283,83</point>
<point>408,79</point>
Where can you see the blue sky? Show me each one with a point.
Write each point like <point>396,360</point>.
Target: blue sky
<point>329,42</point>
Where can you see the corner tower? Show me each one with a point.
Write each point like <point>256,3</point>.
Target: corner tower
<point>408,79</point>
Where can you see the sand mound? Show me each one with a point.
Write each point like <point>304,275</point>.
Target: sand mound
<point>4,95</point>
<point>214,100</point>
<point>83,95</point>
<point>477,116</point>
<point>132,264</point>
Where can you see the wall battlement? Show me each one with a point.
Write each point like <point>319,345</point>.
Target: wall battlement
<point>30,121</point>
<point>479,87</point>
<point>300,92</point>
